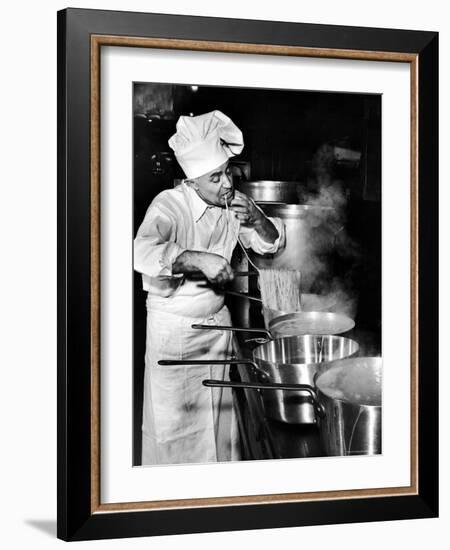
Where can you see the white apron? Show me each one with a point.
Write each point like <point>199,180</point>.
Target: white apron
<point>184,421</point>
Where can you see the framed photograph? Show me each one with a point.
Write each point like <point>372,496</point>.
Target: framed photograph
<point>247,274</point>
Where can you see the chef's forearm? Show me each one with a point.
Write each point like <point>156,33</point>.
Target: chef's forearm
<point>189,261</point>
<point>215,268</point>
<point>266,230</point>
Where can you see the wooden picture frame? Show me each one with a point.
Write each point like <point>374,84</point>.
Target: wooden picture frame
<point>81,35</point>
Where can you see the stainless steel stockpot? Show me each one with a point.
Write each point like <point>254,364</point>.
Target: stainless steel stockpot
<point>295,360</point>
<point>346,400</point>
<point>291,360</point>
<point>349,395</point>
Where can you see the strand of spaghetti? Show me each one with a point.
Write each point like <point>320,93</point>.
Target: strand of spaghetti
<point>280,288</point>
<point>238,239</point>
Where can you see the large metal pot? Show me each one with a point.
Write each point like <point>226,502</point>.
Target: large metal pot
<point>310,322</point>
<point>349,394</point>
<point>346,400</point>
<point>295,360</point>
<point>309,302</point>
<point>263,191</point>
<point>299,323</point>
<point>292,360</point>
<point>310,238</point>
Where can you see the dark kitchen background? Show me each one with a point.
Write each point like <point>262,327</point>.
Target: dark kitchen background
<point>321,140</point>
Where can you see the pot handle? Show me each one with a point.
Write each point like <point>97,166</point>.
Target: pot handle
<point>233,329</point>
<point>248,362</point>
<point>232,293</point>
<point>269,386</point>
<point>176,362</point>
<point>199,275</point>
<point>242,295</point>
<point>259,386</point>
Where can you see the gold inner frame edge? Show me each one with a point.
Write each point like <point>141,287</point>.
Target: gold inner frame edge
<point>97,41</point>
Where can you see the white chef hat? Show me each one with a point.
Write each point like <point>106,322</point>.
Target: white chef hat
<point>204,142</point>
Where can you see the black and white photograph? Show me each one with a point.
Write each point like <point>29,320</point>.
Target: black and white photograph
<point>257,269</point>
<point>222,275</point>
<point>247,274</point>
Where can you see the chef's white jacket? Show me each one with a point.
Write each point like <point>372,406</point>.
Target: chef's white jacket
<point>182,420</point>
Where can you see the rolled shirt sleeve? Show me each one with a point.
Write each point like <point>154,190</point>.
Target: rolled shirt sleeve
<point>155,249</point>
<point>251,239</point>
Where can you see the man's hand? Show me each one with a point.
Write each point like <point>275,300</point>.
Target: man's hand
<point>215,268</point>
<point>251,216</point>
<point>246,211</point>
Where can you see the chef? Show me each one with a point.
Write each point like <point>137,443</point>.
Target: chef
<point>194,228</point>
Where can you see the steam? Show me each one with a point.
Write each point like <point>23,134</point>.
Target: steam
<point>332,253</point>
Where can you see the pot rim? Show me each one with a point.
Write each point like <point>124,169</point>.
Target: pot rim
<point>280,364</point>
<point>338,363</point>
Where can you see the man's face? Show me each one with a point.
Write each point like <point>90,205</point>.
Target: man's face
<point>215,187</point>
